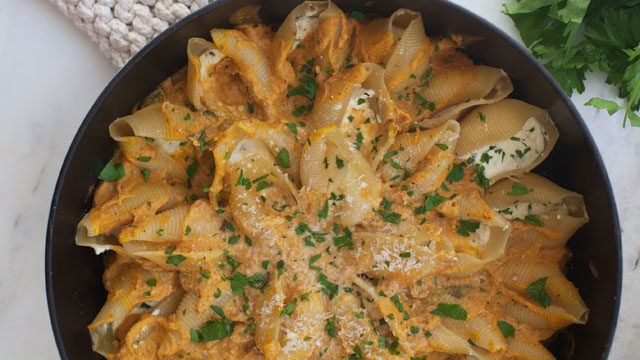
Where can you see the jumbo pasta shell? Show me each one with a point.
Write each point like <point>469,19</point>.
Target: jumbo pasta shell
<point>562,212</point>
<point>506,138</point>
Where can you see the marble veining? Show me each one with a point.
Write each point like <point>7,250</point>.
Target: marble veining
<point>52,73</point>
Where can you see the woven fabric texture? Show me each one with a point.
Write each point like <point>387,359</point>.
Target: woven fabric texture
<point>122,27</point>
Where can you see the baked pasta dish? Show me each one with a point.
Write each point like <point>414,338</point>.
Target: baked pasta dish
<point>336,187</point>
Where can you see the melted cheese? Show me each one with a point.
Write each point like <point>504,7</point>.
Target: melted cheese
<point>209,58</point>
<point>520,210</point>
<point>306,24</point>
<point>517,152</point>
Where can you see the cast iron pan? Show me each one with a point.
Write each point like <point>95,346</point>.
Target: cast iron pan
<point>73,274</point>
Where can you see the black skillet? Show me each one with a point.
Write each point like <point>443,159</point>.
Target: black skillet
<point>73,274</point>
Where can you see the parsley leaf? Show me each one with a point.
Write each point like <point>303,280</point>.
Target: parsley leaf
<point>329,288</point>
<point>283,158</point>
<point>322,214</point>
<point>553,29</point>
<point>330,326</point>
<point>263,185</point>
<point>532,220</point>
<point>238,281</point>
<point>293,127</point>
<point>506,328</point>
<point>453,311</point>
<point>191,169</point>
<point>430,202</point>
<point>307,89</point>
<point>257,281</point>
<point>112,172</point>
<point>456,174</point>
<point>538,292</point>
<point>176,259</point>
<point>397,303</point>
<point>288,310</point>
<point>358,15</point>
<point>518,189</point>
<point>389,217</point>
<point>466,227</point>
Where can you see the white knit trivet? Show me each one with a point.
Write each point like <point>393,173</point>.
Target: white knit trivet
<point>122,27</point>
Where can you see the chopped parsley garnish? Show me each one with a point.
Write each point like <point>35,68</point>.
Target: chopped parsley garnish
<point>280,267</point>
<point>175,259</point>
<point>283,158</point>
<point>146,173</point>
<point>359,139</point>
<point>314,258</point>
<point>112,172</point>
<point>288,310</point>
<point>330,289</point>
<point>390,154</point>
<point>347,62</point>
<point>485,157</point>
<point>521,153</point>
<point>257,281</point>
<point>233,239</point>
<point>424,79</point>
<point>330,326</point>
<point>263,185</point>
<point>339,162</point>
<point>196,336</point>
<point>453,311</point>
<point>307,89</point>
<point>301,110</point>
<point>506,328</point>
<point>151,282</point>
<point>482,117</point>
<point>466,227</point>
<point>243,181</point>
<point>442,146</point>
<point>538,292</point>
<point>358,15</point>
<point>293,127</point>
<point>191,169</point>
<point>456,174</point>
<point>423,103</point>
<point>187,231</point>
<point>518,189</point>
<point>480,179</point>
<point>397,303</point>
<point>357,351</point>
<point>238,281</point>
<point>389,217</point>
<point>532,220</point>
<point>307,67</point>
<point>322,214</point>
<point>204,143</point>
<point>430,202</point>
<point>393,348</point>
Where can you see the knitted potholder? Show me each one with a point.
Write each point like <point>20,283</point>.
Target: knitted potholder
<point>122,27</point>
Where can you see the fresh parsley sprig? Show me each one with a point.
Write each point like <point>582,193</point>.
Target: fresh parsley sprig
<point>611,42</point>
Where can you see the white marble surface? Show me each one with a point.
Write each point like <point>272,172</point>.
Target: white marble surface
<point>51,74</point>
